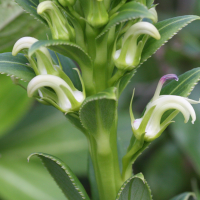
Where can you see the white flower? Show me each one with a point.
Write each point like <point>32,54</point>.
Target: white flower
<point>150,123</point>
<point>44,63</point>
<point>66,97</point>
<point>128,57</point>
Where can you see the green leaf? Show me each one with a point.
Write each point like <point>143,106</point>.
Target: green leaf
<point>184,196</point>
<point>30,6</point>
<point>182,87</point>
<point>167,29</point>
<point>44,129</point>
<point>67,49</point>
<point>63,176</point>
<point>16,66</point>
<point>14,104</point>
<point>102,104</point>
<point>13,26</point>
<point>135,188</point>
<point>129,11</point>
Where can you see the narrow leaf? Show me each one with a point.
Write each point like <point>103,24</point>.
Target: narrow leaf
<point>63,176</point>
<point>167,29</point>
<point>184,196</point>
<point>129,11</point>
<point>15,66</point>
<point>135,188</point>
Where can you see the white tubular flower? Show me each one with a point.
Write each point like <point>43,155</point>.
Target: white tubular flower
<point>44,62</point>
<point>150,123</point>
<point>56,20</point>
<point>68,98</point>
<point>128,57</point>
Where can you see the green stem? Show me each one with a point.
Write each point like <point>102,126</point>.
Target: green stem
<point>128,160</point>
<point>103,150</point>
<point>100,64</point>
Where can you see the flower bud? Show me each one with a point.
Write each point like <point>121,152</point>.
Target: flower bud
<point>98,15</point>
<point>44,64</point>
<point>60,28</point>
<point>66,97</point>
<point>128,57</point>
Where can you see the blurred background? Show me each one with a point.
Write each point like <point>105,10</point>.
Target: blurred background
<point>171,165</point>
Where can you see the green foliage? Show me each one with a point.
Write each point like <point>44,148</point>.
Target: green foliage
<point>167,29</point>
<point>135,188</point>
<point>63,176</point>
<point>30,7</point>
<point>129,11</point>
<point>9,116</point>
<point>42,130</point>
<point>16,67</point>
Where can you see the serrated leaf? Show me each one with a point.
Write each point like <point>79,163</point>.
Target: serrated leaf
<point>135,188</point>
<point>30,6</point>
<point>15,66</point>
<point>167,29</point>
<point>184,196</point>
<point>129,11</point>
<point>98,111</point>
<point>65,48</point>
<point>63,176</point>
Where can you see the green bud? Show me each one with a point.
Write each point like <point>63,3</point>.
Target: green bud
<point>98,15</point>
<point>56,20</point>
<point>66,3</point>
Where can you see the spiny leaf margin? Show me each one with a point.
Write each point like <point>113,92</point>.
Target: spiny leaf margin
<point>139,176</point>
<point>146,54</point>
<point>146,14</point>
<point>75,182</point>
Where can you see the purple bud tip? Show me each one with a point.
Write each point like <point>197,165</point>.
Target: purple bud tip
<point>168,77</point>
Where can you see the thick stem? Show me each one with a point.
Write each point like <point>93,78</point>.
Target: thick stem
<point>103,151</point>
<point>100,64</point>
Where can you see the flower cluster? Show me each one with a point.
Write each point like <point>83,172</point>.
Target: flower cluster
<point>51,85</point>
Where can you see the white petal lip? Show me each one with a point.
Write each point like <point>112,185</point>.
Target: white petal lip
<point>23,43</point>
<point>142,28</point>
<point>54,82</point>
